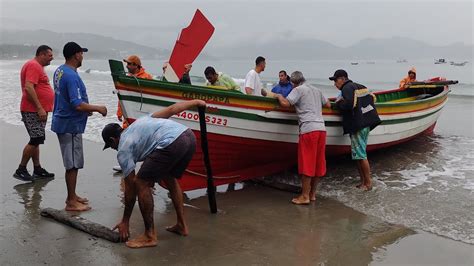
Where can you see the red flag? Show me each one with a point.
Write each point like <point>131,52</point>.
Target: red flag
<point>189,45</point>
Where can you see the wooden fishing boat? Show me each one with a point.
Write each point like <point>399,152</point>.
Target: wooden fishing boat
<point>251,136</point>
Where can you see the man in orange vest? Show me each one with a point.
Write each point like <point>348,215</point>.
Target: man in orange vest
<point>408,79</point>
<point>135,69</point>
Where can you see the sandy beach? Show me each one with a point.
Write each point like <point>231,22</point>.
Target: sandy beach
<point>256,225</point>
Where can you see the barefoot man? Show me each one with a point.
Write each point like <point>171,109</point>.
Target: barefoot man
<point>308,102</point>
<point>166,148</point>
<point>359,117</point>
<point>71,109</point>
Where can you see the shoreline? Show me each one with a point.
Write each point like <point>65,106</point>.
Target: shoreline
<point>254,225</point>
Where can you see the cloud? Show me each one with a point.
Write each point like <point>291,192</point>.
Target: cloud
<point>340,22</point>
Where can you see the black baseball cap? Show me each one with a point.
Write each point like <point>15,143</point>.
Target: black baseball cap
<point>338,74</point>
<point>112,130</point>
<point>71,48</point>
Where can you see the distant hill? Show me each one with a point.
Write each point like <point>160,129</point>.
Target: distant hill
<point>311,49</point>
<point>24,43</point>
<point>279,50</point>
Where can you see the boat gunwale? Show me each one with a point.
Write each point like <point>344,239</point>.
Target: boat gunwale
<point>122,78</point>
<point>198,89</point>
<point>442,94</point>
<point>191,88</point>
<point>256,117</point>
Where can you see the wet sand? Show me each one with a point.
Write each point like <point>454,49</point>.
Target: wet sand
<point>255,224</point>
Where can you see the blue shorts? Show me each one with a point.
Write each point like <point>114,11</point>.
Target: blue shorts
<point>359,144</point>
<point>71,150</point>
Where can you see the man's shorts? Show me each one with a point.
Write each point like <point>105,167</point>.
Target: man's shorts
<point>71,150</point>
<point>35,127</point>
<point>359,144</point>
<point>312,154</point>
<point>170,161</point>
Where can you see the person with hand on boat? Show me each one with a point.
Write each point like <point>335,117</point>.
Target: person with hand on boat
<point>166,148</point>
<point>135,69</point>
<point>36,102</point>
<point>405,82</point>
<point>71,109</point>
<point>253,84</point>
<point>220,80</point>
<point>359,117</point>
<point>284,86</point>
<point>308,102</point>
<point>186,78</point>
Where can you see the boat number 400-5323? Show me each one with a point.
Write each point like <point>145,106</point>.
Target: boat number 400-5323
<point>210,119</point>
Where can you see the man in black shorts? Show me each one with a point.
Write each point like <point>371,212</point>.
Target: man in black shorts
<point>36,102</point>
<point>166,148</point>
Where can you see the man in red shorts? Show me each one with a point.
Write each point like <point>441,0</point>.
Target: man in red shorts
<point>36,102</point>
<point>308,102</point>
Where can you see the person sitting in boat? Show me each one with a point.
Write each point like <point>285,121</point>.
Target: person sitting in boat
<point>284,85</point>
<point>308,102</point>
<point>220,79</point>
<point>135,69</point>
<point>405,82</point>
<point>253,84</point>
<point>165,147</point>
<point>185,79</point>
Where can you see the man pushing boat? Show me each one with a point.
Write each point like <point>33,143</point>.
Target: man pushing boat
<point>166,148</point>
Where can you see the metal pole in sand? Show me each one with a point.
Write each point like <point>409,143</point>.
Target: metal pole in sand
<point>211,189</point>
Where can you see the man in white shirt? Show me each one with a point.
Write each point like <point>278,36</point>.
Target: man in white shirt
<point>253,84</point>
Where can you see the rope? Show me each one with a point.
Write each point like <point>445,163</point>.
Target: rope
<point>141,92</point>
<point>217,177</point>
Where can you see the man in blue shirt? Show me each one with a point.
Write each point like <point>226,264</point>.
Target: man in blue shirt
<point>284,85</point>
<point>166,148</point>
<point>71,109</point>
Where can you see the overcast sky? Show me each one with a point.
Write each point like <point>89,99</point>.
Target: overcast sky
<point>157,23</point>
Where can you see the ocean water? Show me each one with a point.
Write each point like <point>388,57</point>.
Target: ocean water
<point>426,184</point>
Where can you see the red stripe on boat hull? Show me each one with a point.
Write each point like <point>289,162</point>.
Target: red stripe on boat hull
<point>234,159</point>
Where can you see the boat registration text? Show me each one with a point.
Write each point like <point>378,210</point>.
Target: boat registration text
<point>210,119</point>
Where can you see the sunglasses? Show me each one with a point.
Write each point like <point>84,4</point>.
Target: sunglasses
<point>129,63</point>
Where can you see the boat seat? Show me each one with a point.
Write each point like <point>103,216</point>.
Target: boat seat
<point>401,100</point>
<point>423,96</point>
<point>413,98</point>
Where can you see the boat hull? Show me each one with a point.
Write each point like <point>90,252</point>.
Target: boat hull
<point>253,136</point>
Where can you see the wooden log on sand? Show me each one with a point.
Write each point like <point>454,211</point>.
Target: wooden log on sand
<point>82,224</point>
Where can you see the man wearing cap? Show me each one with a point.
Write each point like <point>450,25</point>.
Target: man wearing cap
<point>405,82</point>
<point>36,102</point>
<point>166,148</point>
<point>135,69</point>
<point>359,116</point>
<point>71,109</point>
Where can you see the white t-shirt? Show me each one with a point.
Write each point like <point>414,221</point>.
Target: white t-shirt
<point>252,80</point>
